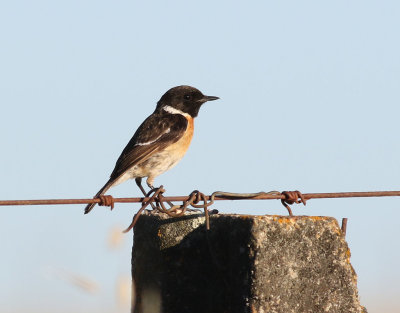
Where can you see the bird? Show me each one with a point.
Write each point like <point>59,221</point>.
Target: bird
<point>161,140</point>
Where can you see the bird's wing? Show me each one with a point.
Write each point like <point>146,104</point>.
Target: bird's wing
<point>156,133</point>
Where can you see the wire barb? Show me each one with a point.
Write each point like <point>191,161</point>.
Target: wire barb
<point>106,200</point>
<point>292,197</point>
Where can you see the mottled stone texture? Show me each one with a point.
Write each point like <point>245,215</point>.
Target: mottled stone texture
<point>244,263</point>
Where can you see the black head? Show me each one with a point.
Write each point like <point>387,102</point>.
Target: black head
<point>184,98</point>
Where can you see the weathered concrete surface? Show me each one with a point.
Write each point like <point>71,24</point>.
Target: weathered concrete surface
<point>245,263</point>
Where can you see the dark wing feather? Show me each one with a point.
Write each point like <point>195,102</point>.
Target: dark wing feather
<point>153,130</point>
<point>160,130</point>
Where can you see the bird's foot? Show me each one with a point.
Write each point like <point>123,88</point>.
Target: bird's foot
<point>138,181</point>
<point>158,199</point>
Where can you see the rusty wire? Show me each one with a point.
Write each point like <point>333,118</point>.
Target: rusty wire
<point>156,193</point>
<point>175,210</point>
<point>292,197</point>
<point>218,195</point>
<point>194,198</point>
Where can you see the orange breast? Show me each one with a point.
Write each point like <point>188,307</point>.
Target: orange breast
<point>180,147</point>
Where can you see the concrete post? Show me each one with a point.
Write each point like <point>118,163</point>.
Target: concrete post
<point>244,263</point>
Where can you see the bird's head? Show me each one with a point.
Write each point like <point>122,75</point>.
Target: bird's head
<point>185,99</point>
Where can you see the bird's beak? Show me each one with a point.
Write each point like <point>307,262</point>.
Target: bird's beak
<point>208,98</point>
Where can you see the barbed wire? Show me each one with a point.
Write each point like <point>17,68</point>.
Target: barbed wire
<point>217,195</point>
<point>156,199</point>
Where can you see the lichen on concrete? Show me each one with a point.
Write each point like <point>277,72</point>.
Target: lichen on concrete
<point>311,269</point>
<point>244,263</point>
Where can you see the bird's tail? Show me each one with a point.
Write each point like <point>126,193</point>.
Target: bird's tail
<point>101,192</point>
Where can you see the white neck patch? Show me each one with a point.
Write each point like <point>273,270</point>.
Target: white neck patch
<point>172,110</point>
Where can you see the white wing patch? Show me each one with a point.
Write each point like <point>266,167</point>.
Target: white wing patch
<point>150,142</point>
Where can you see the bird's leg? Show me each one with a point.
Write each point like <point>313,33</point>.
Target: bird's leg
<point>138,181</point>
<point>149,182</point>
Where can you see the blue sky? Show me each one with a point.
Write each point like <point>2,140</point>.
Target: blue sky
<point>309,101</point>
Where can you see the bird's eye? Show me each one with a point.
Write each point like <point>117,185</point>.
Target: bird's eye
<point>187,97</point>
